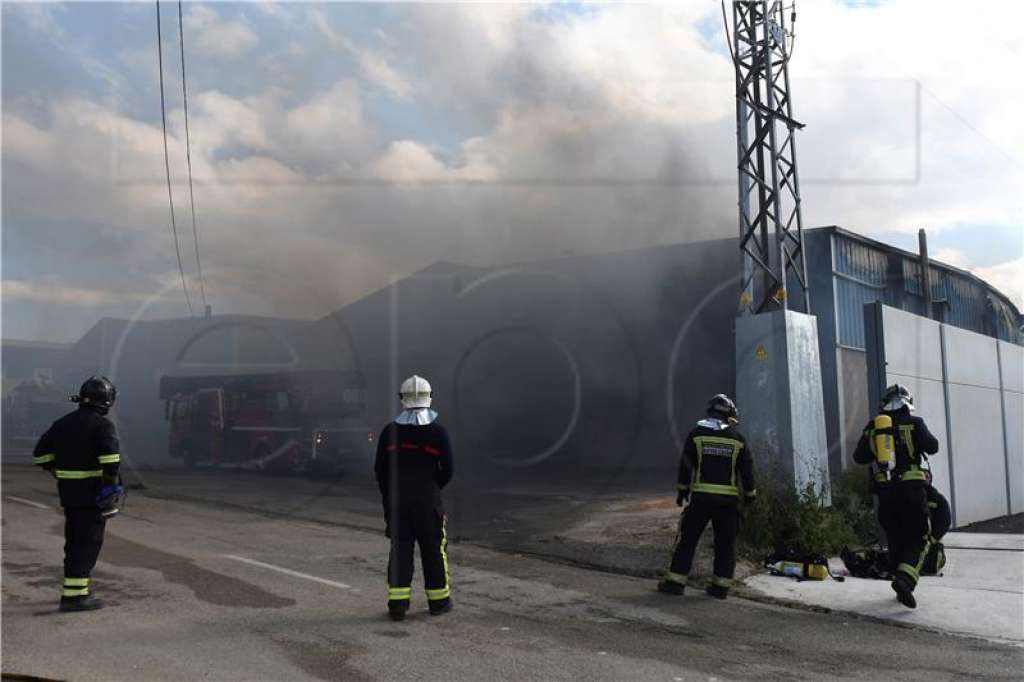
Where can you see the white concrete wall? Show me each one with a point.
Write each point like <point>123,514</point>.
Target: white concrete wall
<point>975,425</point>
<point>1012,360</point>
<point>913,356</point>
<point>981,454</point>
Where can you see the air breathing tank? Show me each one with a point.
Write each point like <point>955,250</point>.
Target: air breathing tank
<point>885,444</point>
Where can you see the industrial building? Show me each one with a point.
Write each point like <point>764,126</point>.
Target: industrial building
<point>847,271</point>
<point>593,363</point>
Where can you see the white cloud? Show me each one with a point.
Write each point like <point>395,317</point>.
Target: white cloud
<point>270,9</point>
<point>407,162</point>
<point>21,291</point>
<point>1008,278</point>
<point>213,36</point>
<point>376,67</point>
<point>605,130</point>
<point>954,257</point>
<point>40,17</point>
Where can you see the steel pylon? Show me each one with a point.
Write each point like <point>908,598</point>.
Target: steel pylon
<point>771,226</point>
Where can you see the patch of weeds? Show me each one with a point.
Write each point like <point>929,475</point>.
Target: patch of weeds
<point>784,518</point>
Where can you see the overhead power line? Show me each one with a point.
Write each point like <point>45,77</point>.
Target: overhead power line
<point>167,162</point>
<point>188,157</point>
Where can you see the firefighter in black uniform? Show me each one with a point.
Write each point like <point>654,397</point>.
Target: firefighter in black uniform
<point>715,457</point>
<point>81,451</point>
<point>902,491</point>
<point>414,462</point>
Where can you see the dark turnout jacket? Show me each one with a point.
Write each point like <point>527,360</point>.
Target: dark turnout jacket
<point>716,461</point>
<point>413,462</point>
<point>913,442</point>
<point>81,450</point>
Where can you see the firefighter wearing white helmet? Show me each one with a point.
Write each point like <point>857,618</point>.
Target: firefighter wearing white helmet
<point>896,444</point>
<point>414,462</point>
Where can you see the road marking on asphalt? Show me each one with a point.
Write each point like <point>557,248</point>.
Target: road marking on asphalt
<point>30,503</point>
<point>288,571</point>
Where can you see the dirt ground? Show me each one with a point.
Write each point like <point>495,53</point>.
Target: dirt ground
<point>1004,524</point>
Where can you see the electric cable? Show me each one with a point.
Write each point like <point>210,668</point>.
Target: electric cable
<point>188,158</point>
<point>167,162</point>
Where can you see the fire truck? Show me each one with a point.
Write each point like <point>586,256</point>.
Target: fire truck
<point>309,421</point>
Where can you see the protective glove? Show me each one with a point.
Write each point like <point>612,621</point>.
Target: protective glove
<point>108,493</point>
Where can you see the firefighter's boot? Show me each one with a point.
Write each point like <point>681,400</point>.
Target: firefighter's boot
<point>397,610</point>
<point>439,607</point>
<point>717,591</point>
<point>904,589</point>
<point>86,603</point>
<point>671,587</point>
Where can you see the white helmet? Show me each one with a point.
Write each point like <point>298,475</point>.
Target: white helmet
<point>415,392</point>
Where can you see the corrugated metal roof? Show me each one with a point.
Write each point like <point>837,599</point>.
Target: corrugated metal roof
<point>866,270</point>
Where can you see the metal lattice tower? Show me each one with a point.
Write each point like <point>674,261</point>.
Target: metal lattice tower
<point>771,227</point>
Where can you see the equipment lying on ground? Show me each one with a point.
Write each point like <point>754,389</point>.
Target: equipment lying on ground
<point>802,566</point>
<point>872,561</point>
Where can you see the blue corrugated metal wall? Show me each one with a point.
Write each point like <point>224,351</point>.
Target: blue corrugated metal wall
<point>860,273</point>
<point>861,276</point>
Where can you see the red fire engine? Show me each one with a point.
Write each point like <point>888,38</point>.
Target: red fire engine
<point>284,422</point>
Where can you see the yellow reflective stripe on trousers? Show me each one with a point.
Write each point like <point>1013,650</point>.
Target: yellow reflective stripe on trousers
<point>76,582</point>
<point>399,593</point>
<point>721,582</point>
<point>909,570</point>
<point>715,489</point>
<point>673,577</point>
<point>77,592</point>
<point>434,595</point>
<point>444,550</point>
<point>112,458</point>
<point>43,459</point>
<point>71,474</point>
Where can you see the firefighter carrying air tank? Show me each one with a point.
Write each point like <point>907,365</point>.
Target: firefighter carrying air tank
<point>895,443</point>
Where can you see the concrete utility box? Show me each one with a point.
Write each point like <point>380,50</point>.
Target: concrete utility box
<point>779,396</point>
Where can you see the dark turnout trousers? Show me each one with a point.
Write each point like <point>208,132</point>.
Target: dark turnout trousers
<point>723,513</point>
<point>83,539</point>
<point>423,525</point>
<point>903,514</point>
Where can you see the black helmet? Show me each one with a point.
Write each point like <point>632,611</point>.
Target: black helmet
<point>98,391</point>
<point>723,407</point>
<point>896,397</point>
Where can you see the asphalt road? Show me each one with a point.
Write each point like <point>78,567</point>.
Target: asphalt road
<point>199,590</point>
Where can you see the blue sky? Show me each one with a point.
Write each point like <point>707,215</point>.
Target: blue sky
<point>337,146</point>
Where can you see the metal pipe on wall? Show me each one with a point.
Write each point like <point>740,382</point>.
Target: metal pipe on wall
<point>926,279</point>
